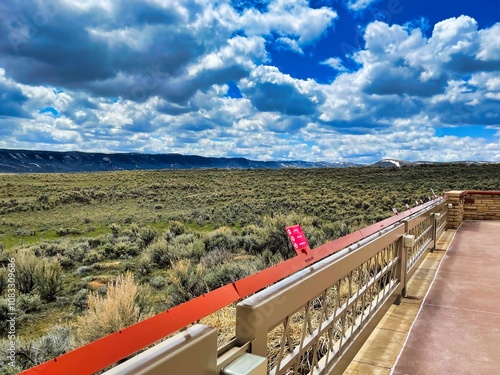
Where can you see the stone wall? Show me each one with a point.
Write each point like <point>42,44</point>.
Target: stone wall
<point>482,205</point>
<point>472,205</point>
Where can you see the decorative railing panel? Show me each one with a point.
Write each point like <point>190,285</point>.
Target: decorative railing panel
<point>311,319</point>
<point>317,334</point>
<point>442,220</point>
<point>423,238</point>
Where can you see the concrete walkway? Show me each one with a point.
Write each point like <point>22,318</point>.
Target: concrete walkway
<point>457,330</point>
<point>380,351</point>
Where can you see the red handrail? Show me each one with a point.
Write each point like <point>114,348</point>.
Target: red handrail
<point>110,349</point>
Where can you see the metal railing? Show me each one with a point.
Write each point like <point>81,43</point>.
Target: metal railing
<point>422,229</point>
<point>315,321</point>
<point>305,323</point>
<point>307,315</point>
<point>442,219</point>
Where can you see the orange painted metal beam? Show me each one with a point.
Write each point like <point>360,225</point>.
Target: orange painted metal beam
<point>104,352</point>
<point>101,353</point>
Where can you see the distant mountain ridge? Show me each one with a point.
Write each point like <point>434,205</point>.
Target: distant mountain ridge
<point>30,161</point>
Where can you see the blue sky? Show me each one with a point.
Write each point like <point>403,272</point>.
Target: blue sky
<point>318,80</point>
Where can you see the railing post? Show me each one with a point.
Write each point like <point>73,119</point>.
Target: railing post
<point>435,224</point>
<point>251,327</point>
<point>403,252</point>
<point>406,243</point>
<point>402,267</point>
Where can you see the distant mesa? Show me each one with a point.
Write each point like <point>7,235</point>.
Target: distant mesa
<point>25,161</point>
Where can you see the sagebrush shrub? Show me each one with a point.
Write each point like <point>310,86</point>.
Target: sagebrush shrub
<point>177,228</point>
<point>134,229</point>
<point>93,256</point>
<point>158,282</point>
<point>26,263</point>
<point>68,231</point>
<point>216,257</point>
<point>269,259</point>
<point>226,273</point>
<point>48,279</point>
<point>95,242</point>
<point>107,251</point>
<point>77,251</point>
<point>4,315</point>
<point>80,300</point>
<point>186,282</point>
<point>57,341</point>
<point>222,238</point>
<point>315,236</point>
<point>3,279</point>
<point>115,230</point>
<point>66,262</point>
<point>186,249</point>
<point>29,302</point>
<point>142,265</point>
<point>250,230</point>
<point>49,249</point>
<point>186,238</point>
<point>252,244</point>
<point>158,253</point>
<point>147,236</point>
<point>84,269</point>
<point>336,230</point>
<point>125,249</point>
<point>274,236</point>
<point>168,236</point>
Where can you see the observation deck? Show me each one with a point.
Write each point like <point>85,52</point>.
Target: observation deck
<point>457,330</point>
<point>414,294</point>
<point>449,323</point>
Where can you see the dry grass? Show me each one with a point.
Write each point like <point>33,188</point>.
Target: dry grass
<point>108,314</point>
<point>223,320</point>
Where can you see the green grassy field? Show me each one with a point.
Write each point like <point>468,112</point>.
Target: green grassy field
<point>183,233</point>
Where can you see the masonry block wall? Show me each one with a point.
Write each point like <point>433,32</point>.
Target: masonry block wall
<point>472,205</point>
<point>482,205</point>
<point>456,211</point>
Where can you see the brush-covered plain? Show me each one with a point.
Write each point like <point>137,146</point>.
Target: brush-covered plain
<point>89,244</point>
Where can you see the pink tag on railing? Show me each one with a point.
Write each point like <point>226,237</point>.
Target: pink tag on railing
<point>298,238</point>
